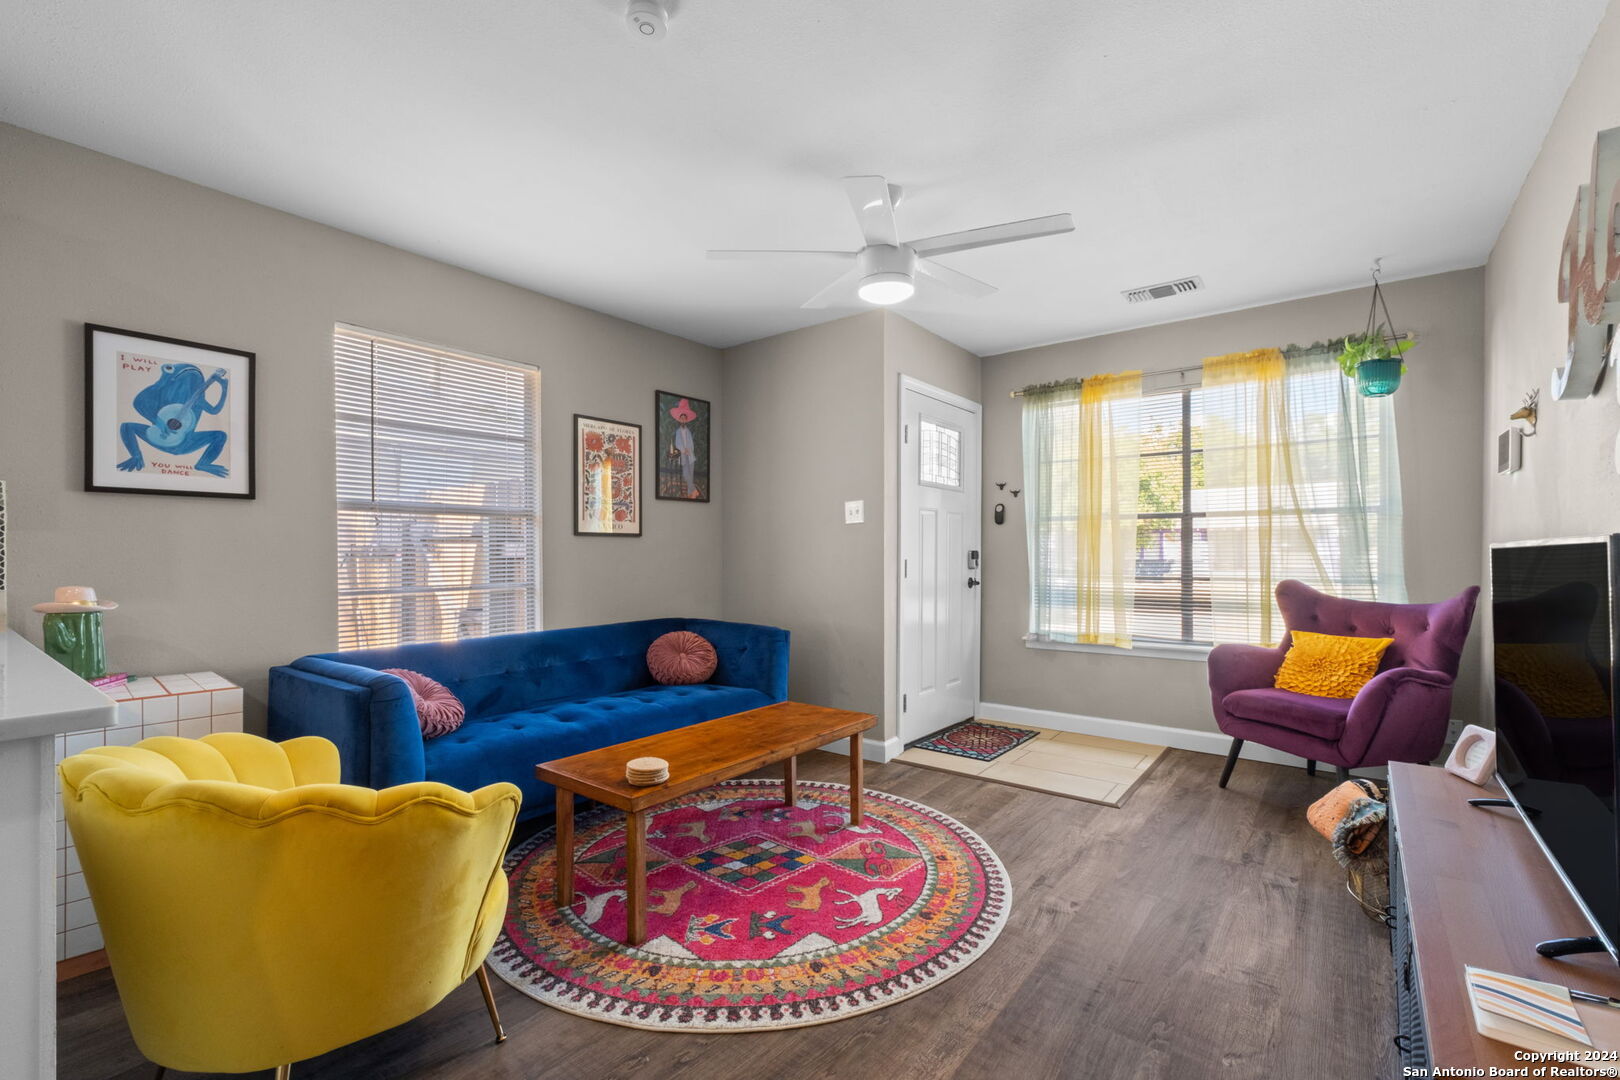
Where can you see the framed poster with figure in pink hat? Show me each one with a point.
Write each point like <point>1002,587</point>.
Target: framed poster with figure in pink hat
<point>682,454</point>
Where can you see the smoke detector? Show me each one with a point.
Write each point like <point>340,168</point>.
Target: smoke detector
<point>1164,290</point>
<point>647,19</point>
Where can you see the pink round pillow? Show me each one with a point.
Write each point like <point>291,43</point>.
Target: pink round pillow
<point>681,657</point>
<point>438,710</point>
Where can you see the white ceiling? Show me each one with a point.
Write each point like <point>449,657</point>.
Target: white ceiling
<point>1272,146</point>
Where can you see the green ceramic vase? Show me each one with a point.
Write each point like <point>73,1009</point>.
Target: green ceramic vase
<point>73,639</point>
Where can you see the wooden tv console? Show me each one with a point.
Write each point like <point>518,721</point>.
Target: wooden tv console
<point>1469,885</point>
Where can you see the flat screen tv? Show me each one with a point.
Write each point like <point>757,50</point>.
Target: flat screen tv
<point>1553,662</point>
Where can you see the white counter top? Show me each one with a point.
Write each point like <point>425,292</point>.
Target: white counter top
<point>38,696</point>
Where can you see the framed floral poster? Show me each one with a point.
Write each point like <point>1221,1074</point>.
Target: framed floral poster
<point>607,477</point>
<point>683,447</point>
<point>166,417</point>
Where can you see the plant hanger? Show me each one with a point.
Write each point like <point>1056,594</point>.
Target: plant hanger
<point>1374,359</point>
<point>1378,301</point>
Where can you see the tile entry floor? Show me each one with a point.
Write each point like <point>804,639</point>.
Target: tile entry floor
<point>1088,767</point>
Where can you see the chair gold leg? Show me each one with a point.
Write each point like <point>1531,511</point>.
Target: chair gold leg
<point>283,1072</point>
<point>489,1003</point>
<point>161,1073</point>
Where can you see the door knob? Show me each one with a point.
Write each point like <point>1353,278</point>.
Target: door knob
<point>972,581</point>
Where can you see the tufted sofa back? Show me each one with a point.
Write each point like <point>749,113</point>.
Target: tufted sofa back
<point>1428,636</point>
<point>505,672</point>
<point>349,698</point>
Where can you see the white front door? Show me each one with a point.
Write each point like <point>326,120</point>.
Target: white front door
<point>939,559</point>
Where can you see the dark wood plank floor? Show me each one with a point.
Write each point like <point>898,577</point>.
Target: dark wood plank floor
<point>1191,933</point>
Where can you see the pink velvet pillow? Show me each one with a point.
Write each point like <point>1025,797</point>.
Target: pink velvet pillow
<point>681,657</point>
<point>437,709</point>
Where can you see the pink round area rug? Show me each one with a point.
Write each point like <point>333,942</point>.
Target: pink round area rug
<point>758,915</point>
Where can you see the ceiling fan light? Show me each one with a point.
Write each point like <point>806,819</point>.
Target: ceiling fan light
<point>885,288</point>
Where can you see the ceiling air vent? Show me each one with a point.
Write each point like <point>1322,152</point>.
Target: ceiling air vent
<point>1164,290</point>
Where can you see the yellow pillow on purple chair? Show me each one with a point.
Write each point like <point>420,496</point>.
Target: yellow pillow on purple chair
<point>1326,665</point>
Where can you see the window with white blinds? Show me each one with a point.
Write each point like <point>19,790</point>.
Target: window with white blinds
<point>1172,549</point>
<point>438,492</point>
<point>1172,553</point>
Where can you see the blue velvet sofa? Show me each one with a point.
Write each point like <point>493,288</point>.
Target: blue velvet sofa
<point>529,698</point>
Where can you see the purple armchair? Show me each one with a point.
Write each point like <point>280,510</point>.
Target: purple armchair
<point>1401,715</point>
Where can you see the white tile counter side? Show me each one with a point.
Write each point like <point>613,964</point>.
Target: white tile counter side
<point>190,706</point>
<point>39,699</point>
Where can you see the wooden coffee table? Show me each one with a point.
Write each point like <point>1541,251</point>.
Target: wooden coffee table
<point>698,756</point>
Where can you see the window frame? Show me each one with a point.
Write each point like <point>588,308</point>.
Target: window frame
<point>535,600</point>
<point>939,425</point>
<point>1189,521</point>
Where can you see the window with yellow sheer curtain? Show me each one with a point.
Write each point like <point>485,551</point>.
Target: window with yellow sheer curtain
<point>1301,480</point>
<point>1081,514</point>
<point>1272,468</point>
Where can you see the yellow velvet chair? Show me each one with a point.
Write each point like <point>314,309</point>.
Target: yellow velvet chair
<point>257,912</point>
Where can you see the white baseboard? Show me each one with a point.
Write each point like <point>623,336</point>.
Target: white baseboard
<point>879,750</point>
<point>1204,742</point>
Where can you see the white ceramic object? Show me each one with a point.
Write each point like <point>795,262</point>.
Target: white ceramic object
<point>71,599</point>
<point>1474,756</point>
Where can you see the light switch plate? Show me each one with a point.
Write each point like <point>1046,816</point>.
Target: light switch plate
<point>855,512</point>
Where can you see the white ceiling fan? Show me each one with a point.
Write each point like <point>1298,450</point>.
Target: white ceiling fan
<point>885,270</point>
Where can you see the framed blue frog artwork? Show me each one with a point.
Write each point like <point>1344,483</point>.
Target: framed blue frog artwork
<point>166,417</point>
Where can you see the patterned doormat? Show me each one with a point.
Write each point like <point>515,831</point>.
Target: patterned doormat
<point>977,740</point>
<point>758,915</point>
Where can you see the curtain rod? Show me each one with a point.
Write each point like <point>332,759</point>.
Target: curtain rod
<point>1288,350</point>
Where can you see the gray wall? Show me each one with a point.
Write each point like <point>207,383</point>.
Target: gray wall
<point>813,424</point>
<point>803,435</point>
<point>1438,413</point>
<point>239,586</point>
<point>1568,486</point>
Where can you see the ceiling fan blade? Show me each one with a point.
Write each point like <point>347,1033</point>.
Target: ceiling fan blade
<point>869,198</point>
<point>1006,233</point>
<point>800,256</point>
<point>842,287</point>
<point>955,279</point>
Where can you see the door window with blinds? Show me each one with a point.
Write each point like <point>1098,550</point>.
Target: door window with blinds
<point>438,491</point>
<point>939,455</point>
<point>1232,497</point>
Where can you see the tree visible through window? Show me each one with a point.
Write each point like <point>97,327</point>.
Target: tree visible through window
<point>1172,547</point>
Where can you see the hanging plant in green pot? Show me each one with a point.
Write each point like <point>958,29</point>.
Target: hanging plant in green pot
<point>1373,357</point>
<point>1374,361</point>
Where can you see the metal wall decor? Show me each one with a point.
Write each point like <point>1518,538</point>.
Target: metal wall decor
<point>1587,272</point>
